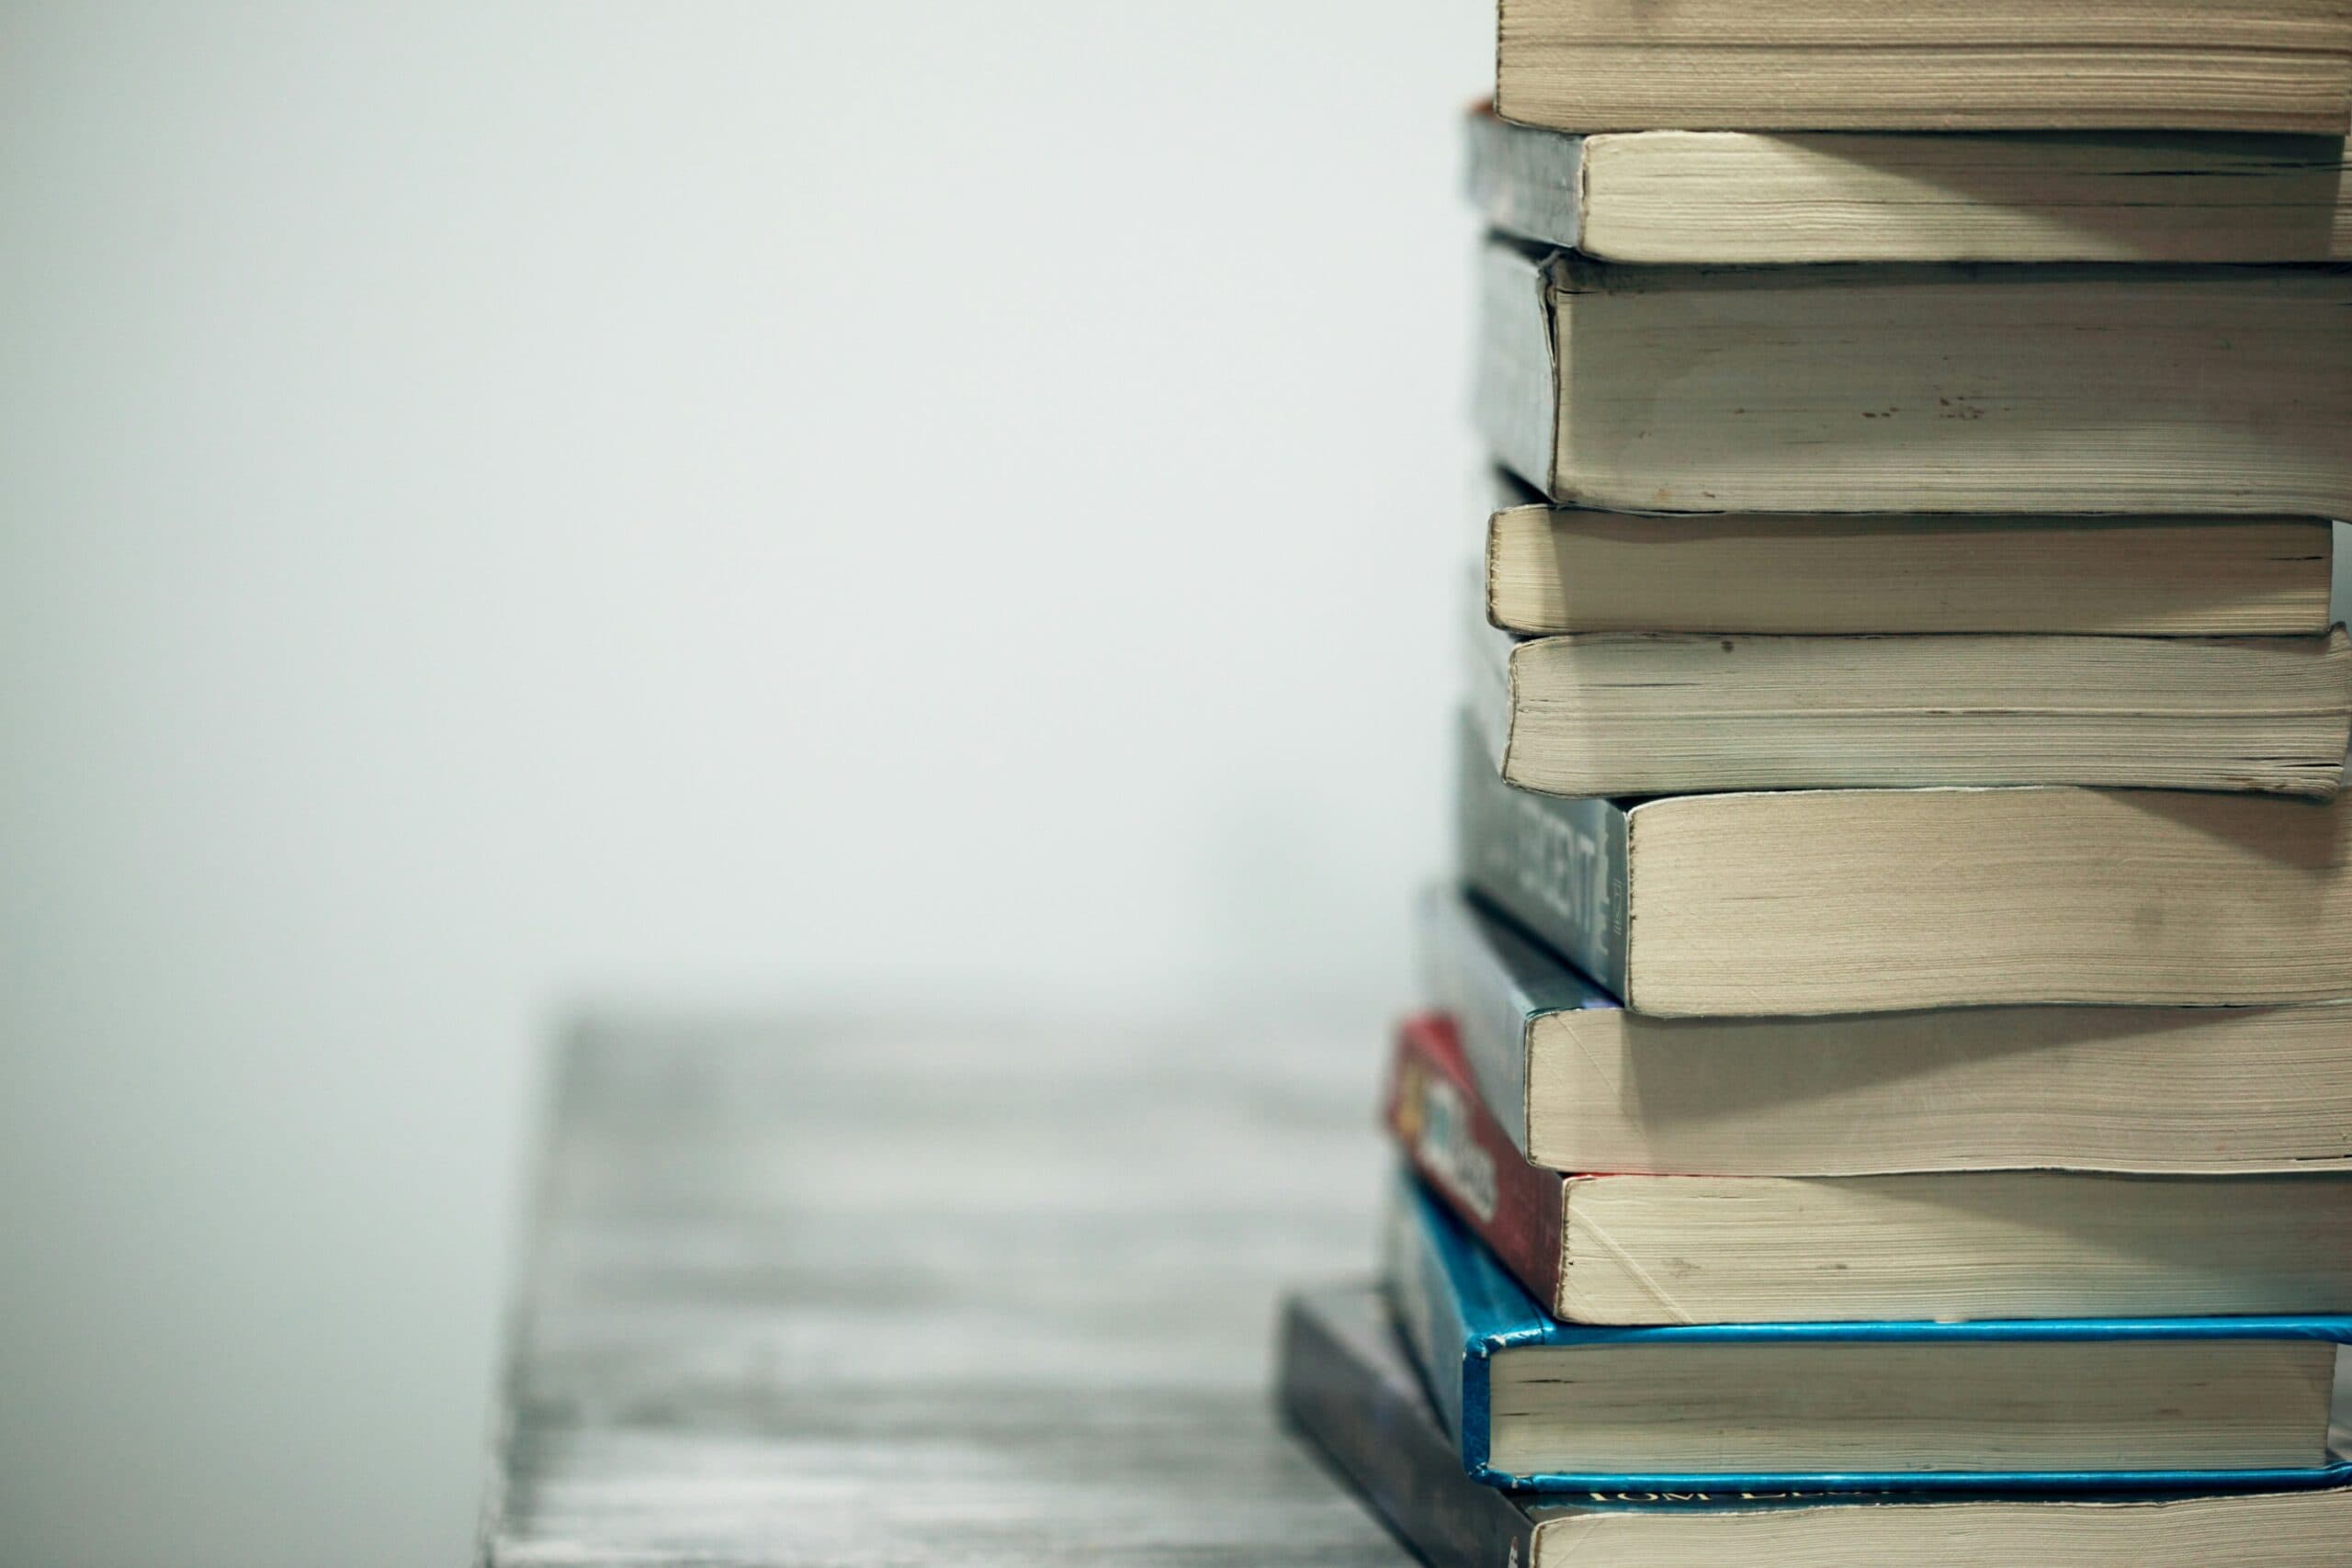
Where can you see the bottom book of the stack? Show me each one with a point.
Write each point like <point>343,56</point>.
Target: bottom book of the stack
<point>1346,1385</point>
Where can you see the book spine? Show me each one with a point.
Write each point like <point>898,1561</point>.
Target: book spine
<point>1421,1296</point>
<point>1462,978</point>
<point>1462,1151</point>
<point>1554,863</point>
<point>1516,389</point>
<point>1377,1433</point>
<point>1525,182</point>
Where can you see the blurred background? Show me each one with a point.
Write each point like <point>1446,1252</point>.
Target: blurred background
<point>951,505</point>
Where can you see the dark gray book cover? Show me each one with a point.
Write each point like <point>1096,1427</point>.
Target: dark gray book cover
<point>1344,1384</point>
<point>1515,393</point>
<point>1553,863</point>
<point>1525,181</point>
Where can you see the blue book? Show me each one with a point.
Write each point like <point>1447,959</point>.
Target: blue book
<point>1342,1382</point>
<point>2209,1404</point>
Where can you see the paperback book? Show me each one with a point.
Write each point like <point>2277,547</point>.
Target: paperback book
<point>1344,1384</point>
<point>1630,1249</point>
<point>1737,196</point>
<point>1637,712</point>
<point>2060,1404</point>
<point>1552,570</point>
<point>1920,388</point>
<point>1577,1082</point>
<point>1903,64</point>
<point>1764,903</point>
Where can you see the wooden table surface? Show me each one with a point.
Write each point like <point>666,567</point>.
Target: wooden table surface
<point>816,1293</point>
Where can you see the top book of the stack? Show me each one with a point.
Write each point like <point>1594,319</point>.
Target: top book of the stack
<point>1602,65</point>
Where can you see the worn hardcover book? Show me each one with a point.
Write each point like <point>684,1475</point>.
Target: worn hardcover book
<point>1871,900</point>
<point>1666,713</point>
<point>1577,1083</point>
<point>1741,197</point>
<point>1552,570</point>
<point>1344,1383</point>
<point>2046,1405</point>
<point>1628,1248</point>
<point>1924,64</point>
<point>2040,390</point>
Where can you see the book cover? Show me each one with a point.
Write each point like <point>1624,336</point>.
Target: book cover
<point>1445,1130</point>
<point>1456,1308</point>
<point>1522,180</point>
<point>1492,982</point>
<point>1342,1383</point>
<point>1554,863</point>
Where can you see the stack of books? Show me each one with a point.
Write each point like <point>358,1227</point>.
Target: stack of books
<point>1886,1090</point>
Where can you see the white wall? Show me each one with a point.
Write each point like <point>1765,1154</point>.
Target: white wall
<point>500,505</point>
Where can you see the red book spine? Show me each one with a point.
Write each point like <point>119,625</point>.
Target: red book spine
<point>1459,1148</point>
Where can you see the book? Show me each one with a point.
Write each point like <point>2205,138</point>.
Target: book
<point>2039,1405</point>
<point>1918,387</point>
<point>1551,570</point>
<point>1619,1248</point>
<point>1737,196</point>
<point>1880,900</point>
<point>1345,1386</point>
<point>1667,713</point>
<point>1924,64</point>
<point>1577,1083</point>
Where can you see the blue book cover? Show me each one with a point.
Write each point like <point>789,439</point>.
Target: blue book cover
<point>1458,1309</point>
